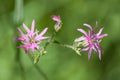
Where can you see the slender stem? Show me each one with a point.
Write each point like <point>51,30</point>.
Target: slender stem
<point>21,67</point>
<point>63,45</point>
<point>17,19</point>
<point>50,40</point>
<point>73,47</point>
<point>17,58</point>
<point>35,65</point>
<point>39,69</point>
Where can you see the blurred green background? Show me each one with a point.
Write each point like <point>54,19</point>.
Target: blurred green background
<point>60,63</point>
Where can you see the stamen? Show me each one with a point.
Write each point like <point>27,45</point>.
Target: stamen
<point>85,43</point>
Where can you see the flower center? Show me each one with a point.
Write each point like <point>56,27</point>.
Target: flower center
<point>32,39</point>
<point>91,41</point>
<point>85,43</point>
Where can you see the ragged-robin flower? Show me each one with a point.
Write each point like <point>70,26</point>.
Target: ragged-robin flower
<point>58,25</point>
<point>91,40</point>
<point>31,39</point>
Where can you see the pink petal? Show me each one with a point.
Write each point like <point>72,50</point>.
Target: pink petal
<point>25,47</point>
<point>33,46</point>
<point>99,50</point>
<point>19,39</point>
<point>94,49</point>
<point>19,30</point>
<point>44,38</point>
<point>99,53</point>
<point>80,39</point>
<point>21,33</point>
<point>32,50</point>
<point>82,31</point>
<point>84,49</point>
<point>102,36</point>
<point>36,32</point>
<point>89,53</point>
<point>100,31</point>
<point>56,18</point>
<point>26,28</point>
<point>26,50</point>
<point>42,33</point>
<point>32,26</point>
<point>95,27</point>
<point>89,26</point>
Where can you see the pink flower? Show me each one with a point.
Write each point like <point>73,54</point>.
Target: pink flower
<point>57,26</point>
<point>91,40</point>
<point>31,39</point>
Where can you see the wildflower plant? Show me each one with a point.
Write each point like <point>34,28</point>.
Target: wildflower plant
<point>31,40</point>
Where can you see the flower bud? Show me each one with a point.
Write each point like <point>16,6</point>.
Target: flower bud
<point>58,25</point>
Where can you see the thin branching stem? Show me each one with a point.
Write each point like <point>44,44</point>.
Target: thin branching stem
<point>17,21</point>
<point>38,69</point>
<point>50,40</point>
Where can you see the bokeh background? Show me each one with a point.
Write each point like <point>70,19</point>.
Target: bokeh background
<point>60,63</point>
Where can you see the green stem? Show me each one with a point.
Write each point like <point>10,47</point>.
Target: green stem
<point>63,45</point>
<point>74,48</point>
<point>38,69</point>
<point>50,40</point>
<point>17,20</point>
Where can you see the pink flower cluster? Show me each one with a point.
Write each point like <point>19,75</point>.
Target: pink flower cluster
<point>91,40</point>
<point>31,39</point>
<point>58,25</point>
